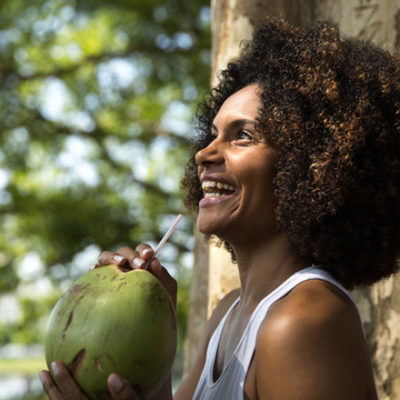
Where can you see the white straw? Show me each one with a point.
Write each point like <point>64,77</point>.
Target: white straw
<point>169,232</point>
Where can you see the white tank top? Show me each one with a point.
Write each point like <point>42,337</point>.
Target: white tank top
<point>230,384</point>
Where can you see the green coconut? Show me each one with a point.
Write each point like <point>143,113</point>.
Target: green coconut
<point>113,320</point>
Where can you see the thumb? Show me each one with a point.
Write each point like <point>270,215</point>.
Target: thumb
<point>120,388</point>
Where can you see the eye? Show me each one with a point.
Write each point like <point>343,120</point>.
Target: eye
<point>244,135</point>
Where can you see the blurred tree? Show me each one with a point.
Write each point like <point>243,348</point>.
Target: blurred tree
<point>95,122</point>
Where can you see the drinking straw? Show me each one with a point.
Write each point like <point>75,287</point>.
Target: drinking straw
<point>160,245</point>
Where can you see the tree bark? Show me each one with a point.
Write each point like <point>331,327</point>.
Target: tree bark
<point>376,20</point>
<point>198,300</point>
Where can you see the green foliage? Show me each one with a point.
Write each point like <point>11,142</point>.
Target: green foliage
<point>9,279</point>
<point>95,122</point>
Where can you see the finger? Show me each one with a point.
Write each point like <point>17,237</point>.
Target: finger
<point>133,257</point>
<point>155,267</point>
<point>135,261</point>
<point>160,272</point>
<point>146,252</point>
<point>120,388</point>
<point>109,257</point>
<point>49,387</point>
<point>67,384</point>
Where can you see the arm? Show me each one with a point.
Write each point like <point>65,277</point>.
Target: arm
<point>309,350</point>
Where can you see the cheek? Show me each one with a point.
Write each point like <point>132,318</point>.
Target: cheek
<point>257,183</point>
<point>258,169</point>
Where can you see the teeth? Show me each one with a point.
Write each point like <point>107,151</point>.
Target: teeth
<point>208,184</point>
<point>218,185</point>
<point>212,194</point>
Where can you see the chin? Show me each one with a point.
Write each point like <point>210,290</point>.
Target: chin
<point>208,226</point>
<point>205,228</point>
<point>213,228</point>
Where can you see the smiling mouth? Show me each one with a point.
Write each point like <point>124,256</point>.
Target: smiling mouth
<point>216,189</point>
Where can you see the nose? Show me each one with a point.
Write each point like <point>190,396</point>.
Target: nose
<point>210,155</point>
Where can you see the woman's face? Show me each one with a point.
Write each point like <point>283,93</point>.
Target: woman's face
<point>236,171</point>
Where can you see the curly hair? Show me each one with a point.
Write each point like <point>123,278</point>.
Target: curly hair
<point>331,107</point>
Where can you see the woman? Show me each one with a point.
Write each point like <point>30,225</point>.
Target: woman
<point>297,171</point>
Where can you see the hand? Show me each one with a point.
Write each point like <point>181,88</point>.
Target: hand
<point>67,389</point>
<point>141,257</point>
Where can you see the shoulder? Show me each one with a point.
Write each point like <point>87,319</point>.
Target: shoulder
<point>314,336</point>
<point>313,304</point>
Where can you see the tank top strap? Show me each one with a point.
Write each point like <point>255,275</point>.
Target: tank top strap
<point>247,346</point>
<point>215,339</point>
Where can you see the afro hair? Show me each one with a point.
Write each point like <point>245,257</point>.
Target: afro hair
<point>331,107</point>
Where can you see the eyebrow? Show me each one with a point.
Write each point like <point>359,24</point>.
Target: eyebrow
<point>236,123</point>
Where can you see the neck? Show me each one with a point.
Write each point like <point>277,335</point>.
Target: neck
<point>264,266</point>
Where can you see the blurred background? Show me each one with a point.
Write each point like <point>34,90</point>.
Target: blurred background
<point>96,106</point>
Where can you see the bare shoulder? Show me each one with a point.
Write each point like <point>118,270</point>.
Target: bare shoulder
<point>314,304</point>
<point>314,336</point>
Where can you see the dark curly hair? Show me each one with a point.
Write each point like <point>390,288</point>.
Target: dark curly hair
<point>331,107</point>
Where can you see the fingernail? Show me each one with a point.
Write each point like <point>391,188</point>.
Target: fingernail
<point>55,368</point>
<point>145,251</point>
<point>118,258</point>
<point>138,261</point>
<point>115,382</point>
<point>42,377</point>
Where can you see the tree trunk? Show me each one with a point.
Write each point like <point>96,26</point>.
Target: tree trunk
<point>198,300</point>
<point>376,20</point>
